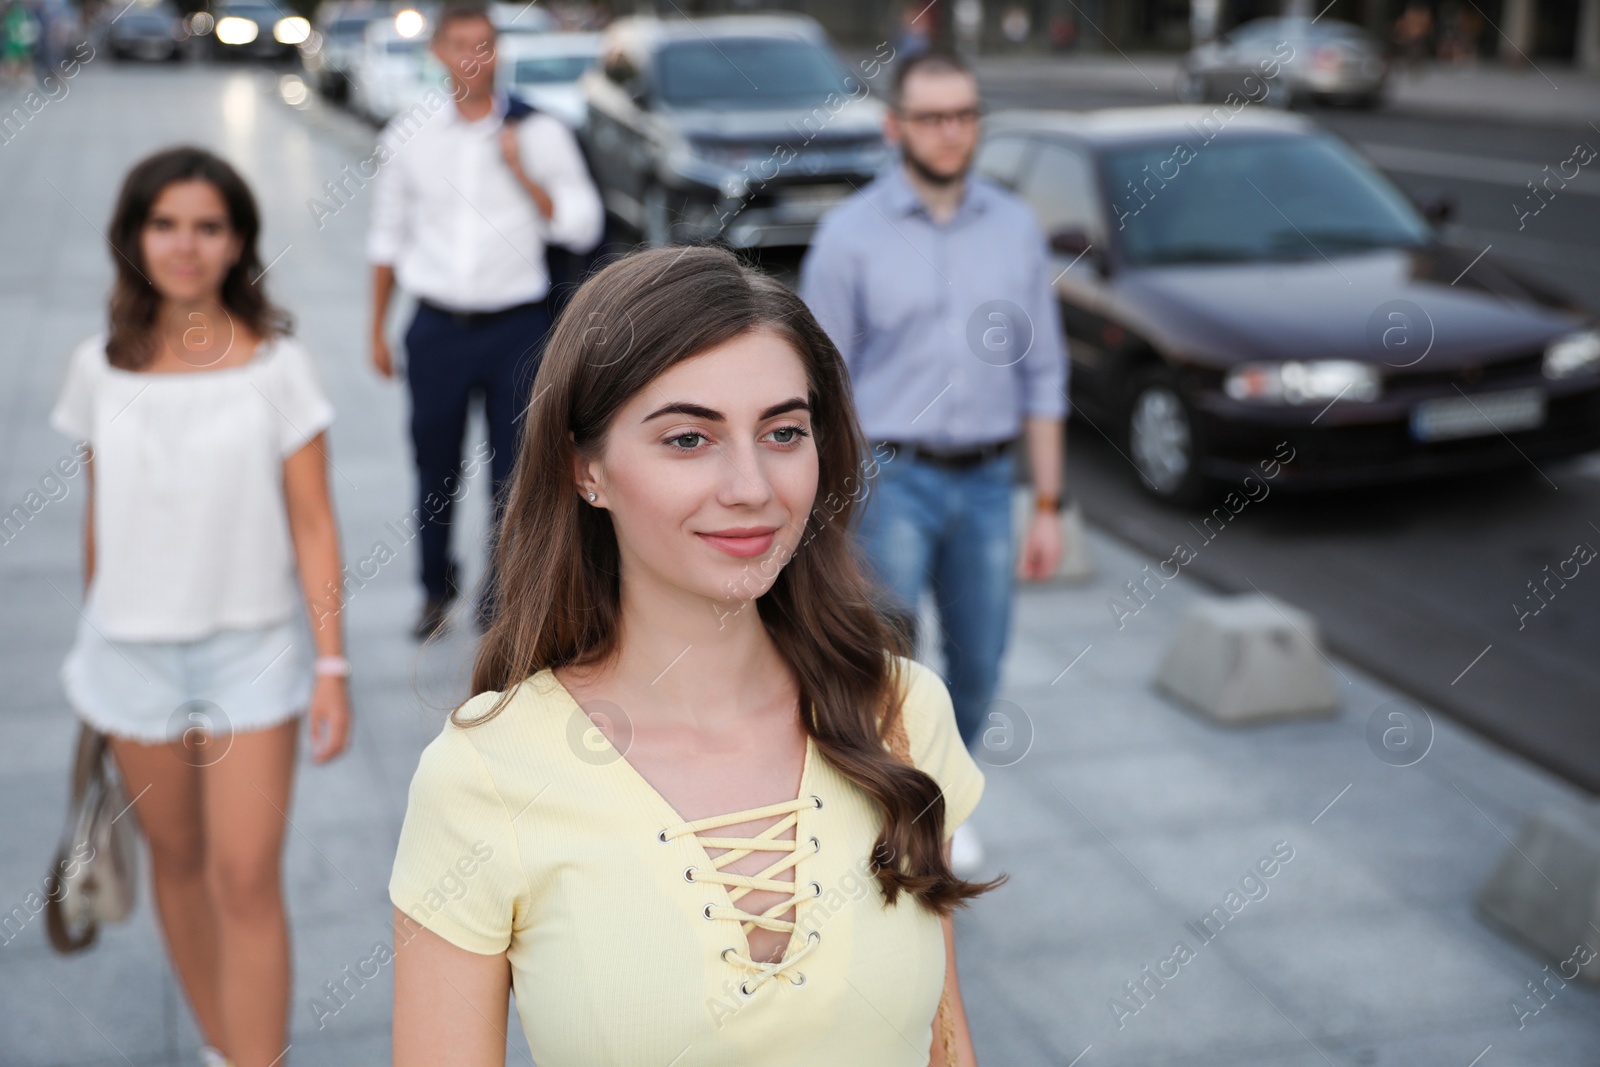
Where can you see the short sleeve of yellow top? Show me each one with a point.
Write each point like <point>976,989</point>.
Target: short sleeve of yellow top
<point>531,835</point>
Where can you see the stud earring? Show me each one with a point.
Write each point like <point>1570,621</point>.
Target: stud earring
<point>591,498</point>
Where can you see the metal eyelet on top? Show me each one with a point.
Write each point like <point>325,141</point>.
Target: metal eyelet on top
<point>800,978</point>
<point>746,992</point>
<point>724,953</point>
<point>707,911</point>
<point>815,935</point>
<point>816,889</point>
<point>662,837</point>
<point>816,800</point>
<point>688,874</point>
<point>816,846</point>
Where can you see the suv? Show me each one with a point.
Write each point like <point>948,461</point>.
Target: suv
<point>740,127</point>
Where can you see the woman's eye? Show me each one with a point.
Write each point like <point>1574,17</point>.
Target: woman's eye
<point>686,441</point>
<point>789,435</point>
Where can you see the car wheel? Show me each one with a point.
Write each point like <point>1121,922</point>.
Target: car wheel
<point>1162,439</point>
<point>657,229</point>
<point>1192,88</point>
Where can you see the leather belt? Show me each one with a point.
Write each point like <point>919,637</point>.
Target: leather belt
<point>954,459</point>
<point>476,318</point>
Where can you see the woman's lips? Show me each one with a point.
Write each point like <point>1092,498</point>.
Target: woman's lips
<point>746,542</point>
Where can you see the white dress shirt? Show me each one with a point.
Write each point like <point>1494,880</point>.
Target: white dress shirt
<point>455,224</point>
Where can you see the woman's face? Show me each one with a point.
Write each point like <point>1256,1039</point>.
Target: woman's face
<point>188,243</point>
<point>710,470</point>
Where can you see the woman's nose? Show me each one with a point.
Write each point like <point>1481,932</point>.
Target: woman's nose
<point>744,480</point>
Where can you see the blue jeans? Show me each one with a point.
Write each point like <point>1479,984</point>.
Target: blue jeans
<point>926,524</point>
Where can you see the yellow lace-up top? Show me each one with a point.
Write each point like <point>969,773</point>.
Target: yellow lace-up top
<point>531,835</point>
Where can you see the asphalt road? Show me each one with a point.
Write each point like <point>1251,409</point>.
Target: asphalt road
<point>1422,584</point>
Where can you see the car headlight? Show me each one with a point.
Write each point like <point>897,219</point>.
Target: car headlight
<point>1576,353</point>
<point>291,30</point>
<point>236,30</point>
<point>409,22</point>
<point>1322,380</point>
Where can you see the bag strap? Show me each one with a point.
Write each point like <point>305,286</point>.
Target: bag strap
<point>945,1019</point>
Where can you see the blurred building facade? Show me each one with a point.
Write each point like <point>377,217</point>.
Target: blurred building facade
<point>1460,31</point>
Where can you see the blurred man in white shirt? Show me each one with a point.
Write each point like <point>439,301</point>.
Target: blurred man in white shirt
<point>468,197</point>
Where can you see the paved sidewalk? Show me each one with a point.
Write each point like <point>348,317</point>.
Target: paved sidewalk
<point>1126,819</point>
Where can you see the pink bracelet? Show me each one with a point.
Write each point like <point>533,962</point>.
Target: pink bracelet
<point>331,666</point>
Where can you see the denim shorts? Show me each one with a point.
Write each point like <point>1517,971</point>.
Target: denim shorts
<point>230,681</point>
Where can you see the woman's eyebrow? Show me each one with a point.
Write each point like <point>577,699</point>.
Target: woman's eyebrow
<point>699,411</point>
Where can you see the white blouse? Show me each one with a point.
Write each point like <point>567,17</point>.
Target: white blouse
<point>190,527</point>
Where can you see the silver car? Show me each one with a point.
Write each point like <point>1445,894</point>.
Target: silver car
<point>330,53</point>
<point>1285,61</point>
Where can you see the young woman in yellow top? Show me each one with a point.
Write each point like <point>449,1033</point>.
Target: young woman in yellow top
<point>670,819</point>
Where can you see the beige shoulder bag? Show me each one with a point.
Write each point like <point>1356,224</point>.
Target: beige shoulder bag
<point>96,867</point>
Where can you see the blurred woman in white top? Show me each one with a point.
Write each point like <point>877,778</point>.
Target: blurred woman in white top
<point>211,621</point>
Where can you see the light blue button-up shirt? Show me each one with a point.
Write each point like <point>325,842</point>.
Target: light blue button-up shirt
<point>951,331</point>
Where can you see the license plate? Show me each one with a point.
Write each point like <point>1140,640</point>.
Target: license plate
<point>1476,416</point>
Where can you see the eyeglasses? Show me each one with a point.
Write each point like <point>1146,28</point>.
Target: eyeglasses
<point>932,120</point>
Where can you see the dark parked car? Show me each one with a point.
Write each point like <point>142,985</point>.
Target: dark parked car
<point>1235,294</point>
<point>745,127</point>
<point>151,30</point>
<point>246,30</point>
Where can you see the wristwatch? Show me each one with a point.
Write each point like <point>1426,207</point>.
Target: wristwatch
<point>1046,502</point>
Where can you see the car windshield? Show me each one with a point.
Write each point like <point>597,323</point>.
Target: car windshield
<point>1263,198</point>
<point>747,73</point>
<point>1266,32</point>
<point>262,14</point>
<point>348,28</point>
<point>550,70</point>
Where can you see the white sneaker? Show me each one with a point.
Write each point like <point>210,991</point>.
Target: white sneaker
<point>966,851</point>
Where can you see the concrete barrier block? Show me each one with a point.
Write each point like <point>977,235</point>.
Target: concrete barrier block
<point>1546,890</point>
<point>1247,659</point>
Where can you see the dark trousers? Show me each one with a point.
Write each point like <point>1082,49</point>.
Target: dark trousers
<point>449,360</point>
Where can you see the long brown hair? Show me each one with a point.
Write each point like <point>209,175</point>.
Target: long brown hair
<point>558,569</point>
<point>134,300</point>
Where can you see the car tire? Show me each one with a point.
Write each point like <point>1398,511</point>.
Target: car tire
<point>657,228</point>
<point>1193,88</point>
<point>1163,438</point>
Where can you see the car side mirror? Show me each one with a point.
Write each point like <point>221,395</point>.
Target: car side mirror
<point>1069,241</point>
<point>1436,206</point>
<point>1074,241</point>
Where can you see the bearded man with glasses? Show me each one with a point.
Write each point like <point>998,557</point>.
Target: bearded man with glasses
<point>935,284</point>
